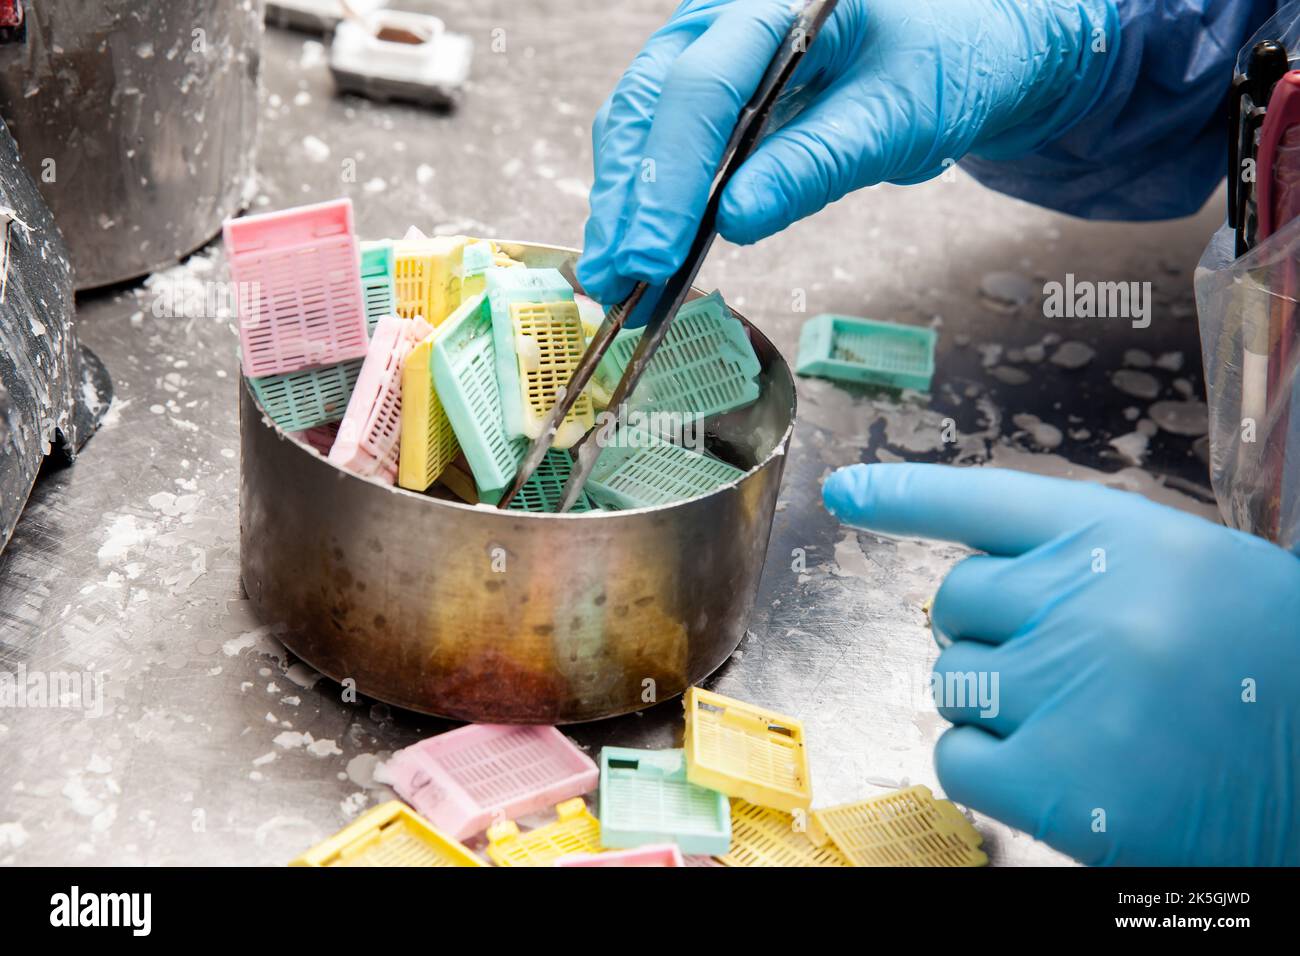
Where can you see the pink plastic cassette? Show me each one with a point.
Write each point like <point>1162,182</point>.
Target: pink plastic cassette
<point>463,780</point>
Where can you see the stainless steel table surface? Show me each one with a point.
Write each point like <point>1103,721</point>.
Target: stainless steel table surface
<point>216,747</point>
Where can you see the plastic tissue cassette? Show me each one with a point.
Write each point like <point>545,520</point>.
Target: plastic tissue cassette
<point>506,286</point>
<point>642,470</point>
<point>574,830</point>
<point>321,438</point>
<point>427,274</point>
<point>646,798</point>
<point>661,854</point>
<point>464,376</point>
<point>396,55</point>
<point>369,436</point>
<point>299,298</point>
<point>297,401</point>
<point>761,836</point>
<point>545,489</point>
<point>905,828</point>
<point>378,281</point>
<point>388,835</point>
<point>862,350</point>
<point>462,780</point>
<point>705,366</point>
<point>746,751</point>
<point>478,258</point>
<point>539,341</point>
<point>428,443</point>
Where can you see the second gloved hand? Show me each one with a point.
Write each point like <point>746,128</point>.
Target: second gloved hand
<point>1145,663</point>
<point>891,91</point>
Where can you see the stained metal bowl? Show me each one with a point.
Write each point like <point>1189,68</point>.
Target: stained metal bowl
<point>501,616</point>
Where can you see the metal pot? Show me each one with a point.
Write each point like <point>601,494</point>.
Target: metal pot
<point>506,617</point>
<point>53,391</point>
<point>138,120</point>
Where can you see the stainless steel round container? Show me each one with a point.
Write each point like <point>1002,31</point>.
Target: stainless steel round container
<point>138,120</point>
<point>501,616</point>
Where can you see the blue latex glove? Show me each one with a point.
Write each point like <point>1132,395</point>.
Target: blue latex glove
<point>892,90</point>
<point>1120,684</point>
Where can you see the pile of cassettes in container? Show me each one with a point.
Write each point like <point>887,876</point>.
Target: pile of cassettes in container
<point>430,363</point>
<point>738,793</point>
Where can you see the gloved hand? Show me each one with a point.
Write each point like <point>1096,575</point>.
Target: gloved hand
<point>891,90</point>
<point>1148,664</point>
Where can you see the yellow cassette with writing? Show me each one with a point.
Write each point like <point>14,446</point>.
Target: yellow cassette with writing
<point>746,751</point>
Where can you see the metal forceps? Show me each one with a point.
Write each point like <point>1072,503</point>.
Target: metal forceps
<point>746,136</point>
